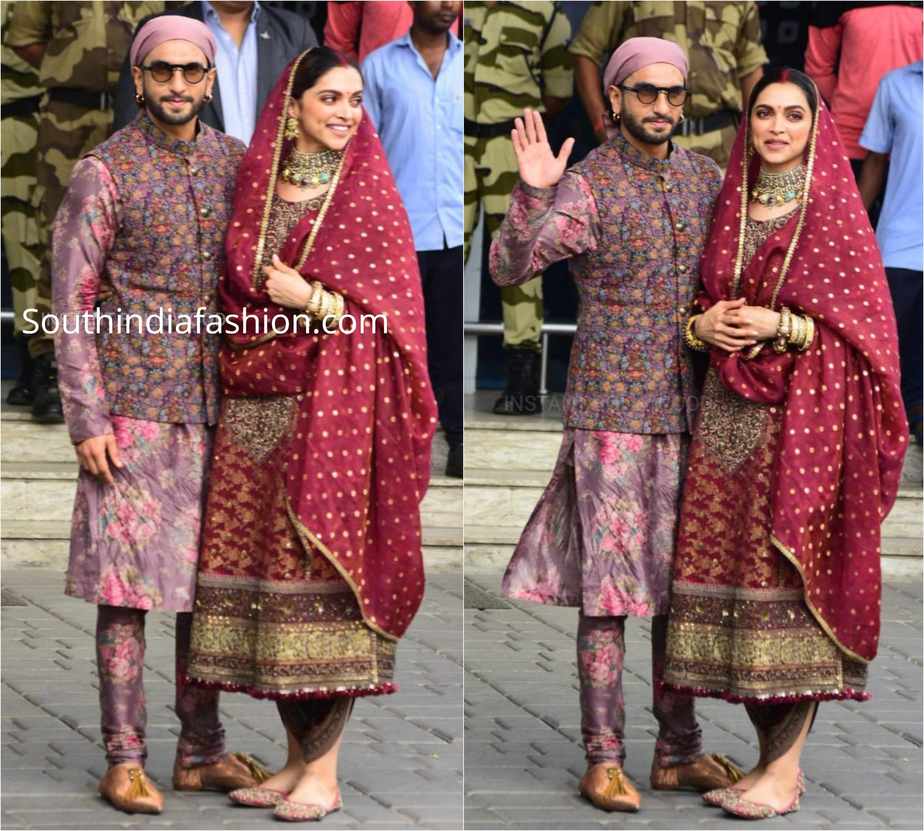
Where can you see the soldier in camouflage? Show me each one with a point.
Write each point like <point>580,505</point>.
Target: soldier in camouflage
<point>78,49</point>
<point>515,57</point>
<point>20,90</point>
<point>722,41</point>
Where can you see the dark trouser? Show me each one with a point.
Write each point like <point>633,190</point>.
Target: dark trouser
<point>601,651</point>
<point>779,726</point>
<point>120,647</point>
<point>906,288</point>
<point>316,723</point>
<point>441,276</point>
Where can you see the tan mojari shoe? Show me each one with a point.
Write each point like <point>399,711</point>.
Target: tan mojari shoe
<point>127,788</point>
<point>707,773</point>
<point>607,787</point>
<point>229,773</point>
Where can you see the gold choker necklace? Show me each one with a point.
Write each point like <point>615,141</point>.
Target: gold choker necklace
<point>310,170</point>
<point>778,188</point>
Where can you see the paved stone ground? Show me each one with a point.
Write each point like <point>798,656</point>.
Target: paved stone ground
<point>401,765</point>
<point>523,758</point>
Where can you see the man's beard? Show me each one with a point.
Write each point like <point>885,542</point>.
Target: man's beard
<point>161,114</point>
<point>638,130</point>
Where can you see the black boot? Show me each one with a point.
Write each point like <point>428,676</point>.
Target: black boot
<point>454,462</point>
<point>46,408</point>
<point>23,394</point>
<point>521,396</point>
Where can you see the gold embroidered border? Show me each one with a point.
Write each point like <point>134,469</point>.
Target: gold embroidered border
<point>739,593</point>
<point>287,657</point>
<point>755,664</point>
<point>308,539</point>
<point>790,555</point>
<point>257,584</point>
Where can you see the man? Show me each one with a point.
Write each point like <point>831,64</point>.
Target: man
<point>632,219</point>
<point>413,93</point>
<point>515,56</point>
<point>893,137</point>
<point>139,236</point>
<point>256,42</point>
<point>851,46</point>
<point>77,49</point>
<point>726,60</point>
<point>21,94</point>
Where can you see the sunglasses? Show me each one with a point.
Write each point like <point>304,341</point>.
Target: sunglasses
<point>648,93</point>
<point>162,72</point>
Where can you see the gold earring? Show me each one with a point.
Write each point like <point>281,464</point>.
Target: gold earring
<point>291,129</point>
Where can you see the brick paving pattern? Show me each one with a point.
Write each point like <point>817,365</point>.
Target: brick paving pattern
<point>523,757</point>
<point>401,765</point>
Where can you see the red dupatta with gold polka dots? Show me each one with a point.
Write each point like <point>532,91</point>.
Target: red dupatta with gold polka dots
<point>844,429</point>
<point>359,461</point>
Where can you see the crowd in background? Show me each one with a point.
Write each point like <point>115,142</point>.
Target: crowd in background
<point>67,86</point>
<point>865,59</point>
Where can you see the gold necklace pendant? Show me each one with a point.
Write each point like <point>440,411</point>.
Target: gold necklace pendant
<point>310,170</point>
<point>778,188</point>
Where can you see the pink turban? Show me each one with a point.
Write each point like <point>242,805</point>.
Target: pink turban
<point>166,27</point>
<point>636,53</point>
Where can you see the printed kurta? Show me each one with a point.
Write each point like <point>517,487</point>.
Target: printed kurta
<point>134,543</point>
<point>602,535</point>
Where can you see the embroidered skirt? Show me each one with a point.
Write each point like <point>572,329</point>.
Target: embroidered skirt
<point>135,543</point>
<point>602,535</point>
<point>273,617</point>
<point>739,626</point>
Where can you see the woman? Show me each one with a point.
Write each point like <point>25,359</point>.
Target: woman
<point>797,453</point>
<point>311,564</point>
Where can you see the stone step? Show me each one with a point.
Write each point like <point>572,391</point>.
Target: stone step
<point>46,543</point>
<point>499,503</point>
<point>45,491</point>
<point>494,557</point>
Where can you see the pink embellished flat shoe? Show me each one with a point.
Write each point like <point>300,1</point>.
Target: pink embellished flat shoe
<point>258,797</point>
<point>719,796</point>
<point>288,810</point>
<point>745,809</point>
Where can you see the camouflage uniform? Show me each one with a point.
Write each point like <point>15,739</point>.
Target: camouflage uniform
<point>722,43</point>
<point>514,54</point>
<point>85,45</point>
<point>20,91</point>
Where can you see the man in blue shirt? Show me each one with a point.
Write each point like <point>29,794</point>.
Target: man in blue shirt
<point>893,135</point>
<point>255,44</point>
<point>413,93</point>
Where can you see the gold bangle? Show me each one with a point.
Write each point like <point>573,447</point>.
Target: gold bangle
<point>809,333</point>
<point>334,312</point>
<point>797,333</point>
<point>326,303</point>
<point>312,305</point>
<point>783,331</point>
<point>690,338</point>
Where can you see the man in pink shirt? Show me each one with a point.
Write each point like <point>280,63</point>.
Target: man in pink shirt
<point>851,47</point>
<point>356,29</point>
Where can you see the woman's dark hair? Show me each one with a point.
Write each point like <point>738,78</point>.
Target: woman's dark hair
<point>785,75</point>
<point>319,60</point>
